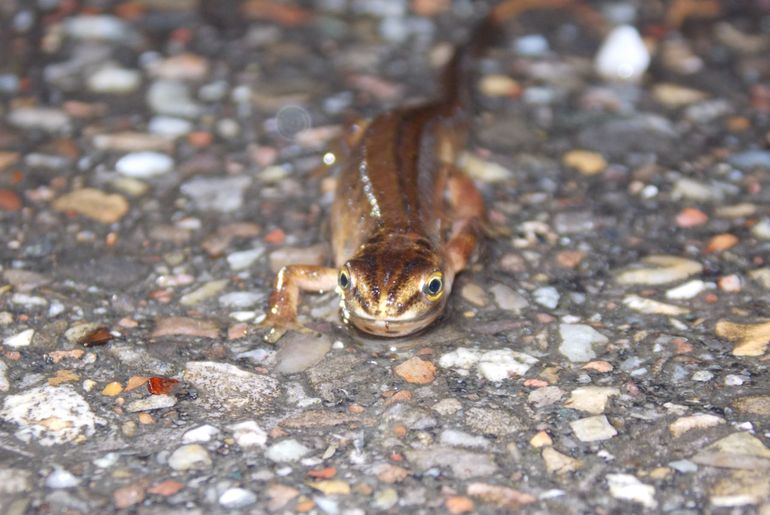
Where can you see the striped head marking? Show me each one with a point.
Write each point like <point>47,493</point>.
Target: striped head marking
<point>393,288</point>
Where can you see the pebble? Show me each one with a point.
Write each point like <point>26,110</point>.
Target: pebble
<point>172,98</point>
<point>474,294</point>
<point>105,208</point>
<point>628,488</point>
<point>28,301</point>
<point>558,463</point>
<point>5,385</point>
<point>622,55</point>
<point>182,67</point>
<point>483,170</point>
<point>494,365</point>
<point>652,307</point>
<point>702,376</point>
<point>416,371</point>
<point>541,439</point>
<point>200,434</point>
<point>286,451</point>
<point>691,217</point>
<point>22,339</point>
<point>749,339</point>
<point>248,434</point>
<point>114,81</point>
<point>455,438</point>
<point>244,259</point>
<point>585,161</point>
<point>46,119</point>
<point>225,386</point>
<point>190,457</point>
<point>129,141</point>
<point>61,478</point>
<point>547,296</point>
<point>204,292</point>
<point>236,498</point>
<point>501,496</point>
<point>688,290</point>
<point>674,95</point>
<point>100,27</point>
<point>739,450</point>
<point>545,396</point>
<point>507,299</point>
<point>684,466</point>
<point>579,340</point>
<point>593,429</point>
<point>498,86</point>
<point>496,422</point>
<point>660,269</point>
<point>591,399</point>
<point>224,195</point>
<point>152,402</point>
<point>531,45</point>
<point>50,415</point>
<point>144,165</point>
<point>462,464</point>
<point>761,229</point>
<point>169,126</point>
<point>447,407</point>
<point>315,255</point>
<point>701,421</point>
<point>185,326</point>
<point>129,495</point>
<point>751,159</point>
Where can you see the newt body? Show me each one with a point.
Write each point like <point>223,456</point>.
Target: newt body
<point>404,221</point>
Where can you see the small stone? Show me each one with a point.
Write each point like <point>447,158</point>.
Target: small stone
<point>244,259</point>
<point>701,421</point>
<point>456,438</point>
<point>591,399</point>
<point>652,307</point>
<point>738,450</point>
<point>507,299</point>
<point>740,489</point>
<point>416,371</point>
<point>96,27</point>
<point>61,478</point>
<point>279,495</point>
<point>447,407</point>
<point>547,296</point>
<point>286,451</point>
<point>749,339</point>
<point>223,386</point>
<point>691,217</point>
<point>152,402</point>
<point>599,366</point>
<point>761,230</point>
<point>585,161</point>
<point>190,457</point>
<point>183,326</point>
<point>628,488</point>
<point>754,405</point>
<point>498,86</point>
<point>144,165</point>
<point>388,473</point>
<point>5,385</point>
<point>22,339</point>
<point>462,464</point>
<point>112,389</point>
<point>751,159</point>
<point>172,98</point>
<point>184,66</point>
<point>169,126</point>
<point>663,270</point>
<point>200,434</point>
<point>545,396</point>
<point>114,81</point>
<point>721,242</point>
<point>622,55</point>
<point>166,488</point>
<point>331,486</point>
<point>541,439</point>
<point>502,364</point>
<point>129,495</point>
<point>687,290</point>
<point>315,255</point>
<point>223,195</point>
<point>500,496</point>
<point>241,299</point>
<point>495,422</point>
<point>593,429</point>
<point>106,208</point>
<point>702,376</point>
<point>558,463</point>
<point>299,351</point>
<point>41,118</point>
<point>674,95</point>
<point>235,498</point>
<point>684,466</point>
<point>248,434</point>
<point>49,414</point>
<point>579,340</point>
<point>204,292</point>
<point>458,504</point>
<point>474,294</point>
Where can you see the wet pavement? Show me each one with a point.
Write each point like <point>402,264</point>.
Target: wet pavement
<point>606,353</point>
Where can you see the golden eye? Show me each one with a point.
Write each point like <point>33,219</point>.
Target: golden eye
<point>434,286</point>
<point>343,280</point>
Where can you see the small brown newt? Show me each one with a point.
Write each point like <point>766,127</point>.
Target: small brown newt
<point>405,220</point>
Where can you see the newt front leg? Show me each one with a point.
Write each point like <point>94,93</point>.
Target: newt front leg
<point>281,314</point>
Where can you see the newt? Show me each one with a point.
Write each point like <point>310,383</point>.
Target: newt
<point>405,220</point>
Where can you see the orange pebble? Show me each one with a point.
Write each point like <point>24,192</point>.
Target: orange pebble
<point>691,217</point>
<point>721,242</point>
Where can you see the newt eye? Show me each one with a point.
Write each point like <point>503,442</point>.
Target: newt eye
<point>434,286</point>
<point>343,280</point>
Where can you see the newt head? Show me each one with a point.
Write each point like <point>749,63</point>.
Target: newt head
<point>394,287</point>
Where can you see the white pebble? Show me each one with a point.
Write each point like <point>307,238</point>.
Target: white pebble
<point>234,498</point>
<point>241,299</point>
<point>191,456</point>
<point>687,290</point>
<point>22,339</point>
<point>734,380</point>
<point>547,296</point>
<point>623,55</point>
<point>4,384</point>
<point>204,433</point>
<point>244,258</point>
<point>628,488</point>
<point>248,434</point>
<point>593,429</point>
<point>61,478</point>
<point>286,451</point>
<point>142,165</point>
<point>702,376</point>
<point>498,365</point>
<point>578,341</point>
<point>114,81</point>
<point>169,126</point>
<point>150,403</point>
